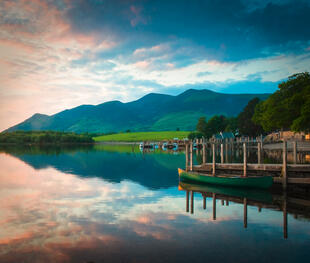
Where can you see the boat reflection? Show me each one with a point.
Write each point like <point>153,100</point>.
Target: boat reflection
<point>258,198</point>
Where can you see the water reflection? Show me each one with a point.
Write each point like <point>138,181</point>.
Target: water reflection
<point>52,210</point>
<point>258,198</point>
<point>114,163</point>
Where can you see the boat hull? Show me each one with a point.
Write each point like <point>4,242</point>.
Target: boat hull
<point>261,182</point>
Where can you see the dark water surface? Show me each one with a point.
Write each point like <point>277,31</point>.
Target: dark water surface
<point>109,203</point>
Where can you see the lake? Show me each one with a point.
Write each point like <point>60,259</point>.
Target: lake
<point>112,203</point>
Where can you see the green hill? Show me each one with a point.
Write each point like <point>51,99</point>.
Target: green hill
<point>153,112</point>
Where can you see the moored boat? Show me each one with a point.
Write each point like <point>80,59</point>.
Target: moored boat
<point>262,182</point>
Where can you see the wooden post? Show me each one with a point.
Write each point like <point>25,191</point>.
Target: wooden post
<point>284,167</point>
<point>222,153</point>
<point>226,152</point>
<point>204,160</point>
<point>204,202</point>
<point>259,161</point>
<point>285,216</point>
<point>213,160</point>
<point>191,156</point>
<point>295,151</point>
<point>192,202</point>
<point>222,202</point>
<point>187,201</point>
<point>214,206</point>
<point>245,213</point>
<point>186,157</point>
<point>244,160</point>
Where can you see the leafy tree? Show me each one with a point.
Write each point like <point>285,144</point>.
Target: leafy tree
<point>232,125</point>
<point>194,135</point>
<point>288,107</point>
<point>245,124</point>
<point>215,124</point>
<point>201,125</point>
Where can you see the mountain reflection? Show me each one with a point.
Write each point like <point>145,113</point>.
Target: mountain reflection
<point>113,163</point>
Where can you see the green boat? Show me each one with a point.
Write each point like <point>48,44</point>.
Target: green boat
<point>262,182</point>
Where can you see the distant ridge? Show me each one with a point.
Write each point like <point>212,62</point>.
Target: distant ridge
<point>153,112</point>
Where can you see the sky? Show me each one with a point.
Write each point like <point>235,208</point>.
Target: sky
<point>59,54</point>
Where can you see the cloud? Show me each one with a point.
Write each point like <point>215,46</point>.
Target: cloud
<point>77,52</point>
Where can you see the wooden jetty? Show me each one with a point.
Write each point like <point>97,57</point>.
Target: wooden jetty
<point>282,173</point>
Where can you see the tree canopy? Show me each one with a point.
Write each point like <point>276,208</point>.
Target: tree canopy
<point>288,107</point>
<point>245,124</point>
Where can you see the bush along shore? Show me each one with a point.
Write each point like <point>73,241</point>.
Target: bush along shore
<point>44,137</point>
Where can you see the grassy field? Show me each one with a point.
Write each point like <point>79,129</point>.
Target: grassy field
<point>142,136</point>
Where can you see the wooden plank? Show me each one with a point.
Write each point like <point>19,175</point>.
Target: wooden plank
<point>186,157</point>
<point>191,156</point>
<point>222,153</point>
<point>284,167</point>
<point>295,152</point>
<point>244,160</point>
<point>213,160</point>
<point>259,153</point>
<point>204,159</point>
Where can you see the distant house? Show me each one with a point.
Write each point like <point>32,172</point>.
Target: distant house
<point>223,136</point>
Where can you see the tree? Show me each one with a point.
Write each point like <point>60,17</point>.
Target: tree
<point>215,124</point>
<point>245,124</point>
<point>232,125</point>
<point>288,107</point>
<point>201,125</point>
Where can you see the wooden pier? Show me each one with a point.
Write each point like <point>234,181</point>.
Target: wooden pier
<point>283,173</point>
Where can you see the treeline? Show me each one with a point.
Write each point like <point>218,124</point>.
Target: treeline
<point>44,137</point>
<point>286,109</point>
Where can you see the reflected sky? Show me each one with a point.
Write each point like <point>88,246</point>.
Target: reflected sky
<point>48,215</point>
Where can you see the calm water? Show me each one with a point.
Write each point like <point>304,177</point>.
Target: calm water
<point>115,204</point>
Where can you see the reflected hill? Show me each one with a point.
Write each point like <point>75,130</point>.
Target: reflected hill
<point>113,163</point>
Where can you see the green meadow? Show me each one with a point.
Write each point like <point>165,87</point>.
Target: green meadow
<point>142,136</point>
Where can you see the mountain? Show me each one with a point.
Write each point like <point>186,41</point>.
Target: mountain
<point>153,112</point>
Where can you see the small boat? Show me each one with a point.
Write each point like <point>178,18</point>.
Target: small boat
<point>262,182</point>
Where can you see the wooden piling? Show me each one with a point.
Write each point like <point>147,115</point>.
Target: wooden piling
<point>285,216</point>
<point>213,160</point>
<point>191,156</point>
<point>222,153</point>
<point>295,151</point>
<point>226,152</point>
<point>204,160</point>
<point>214,206</point>
<point>192,202</point>
<point>245,213</point>
<point>187,201</point>
<point>204,202</point>
<point>244,160</point>
<point>186,157</point>
<point>259,161</point>
<point>284,166</point>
